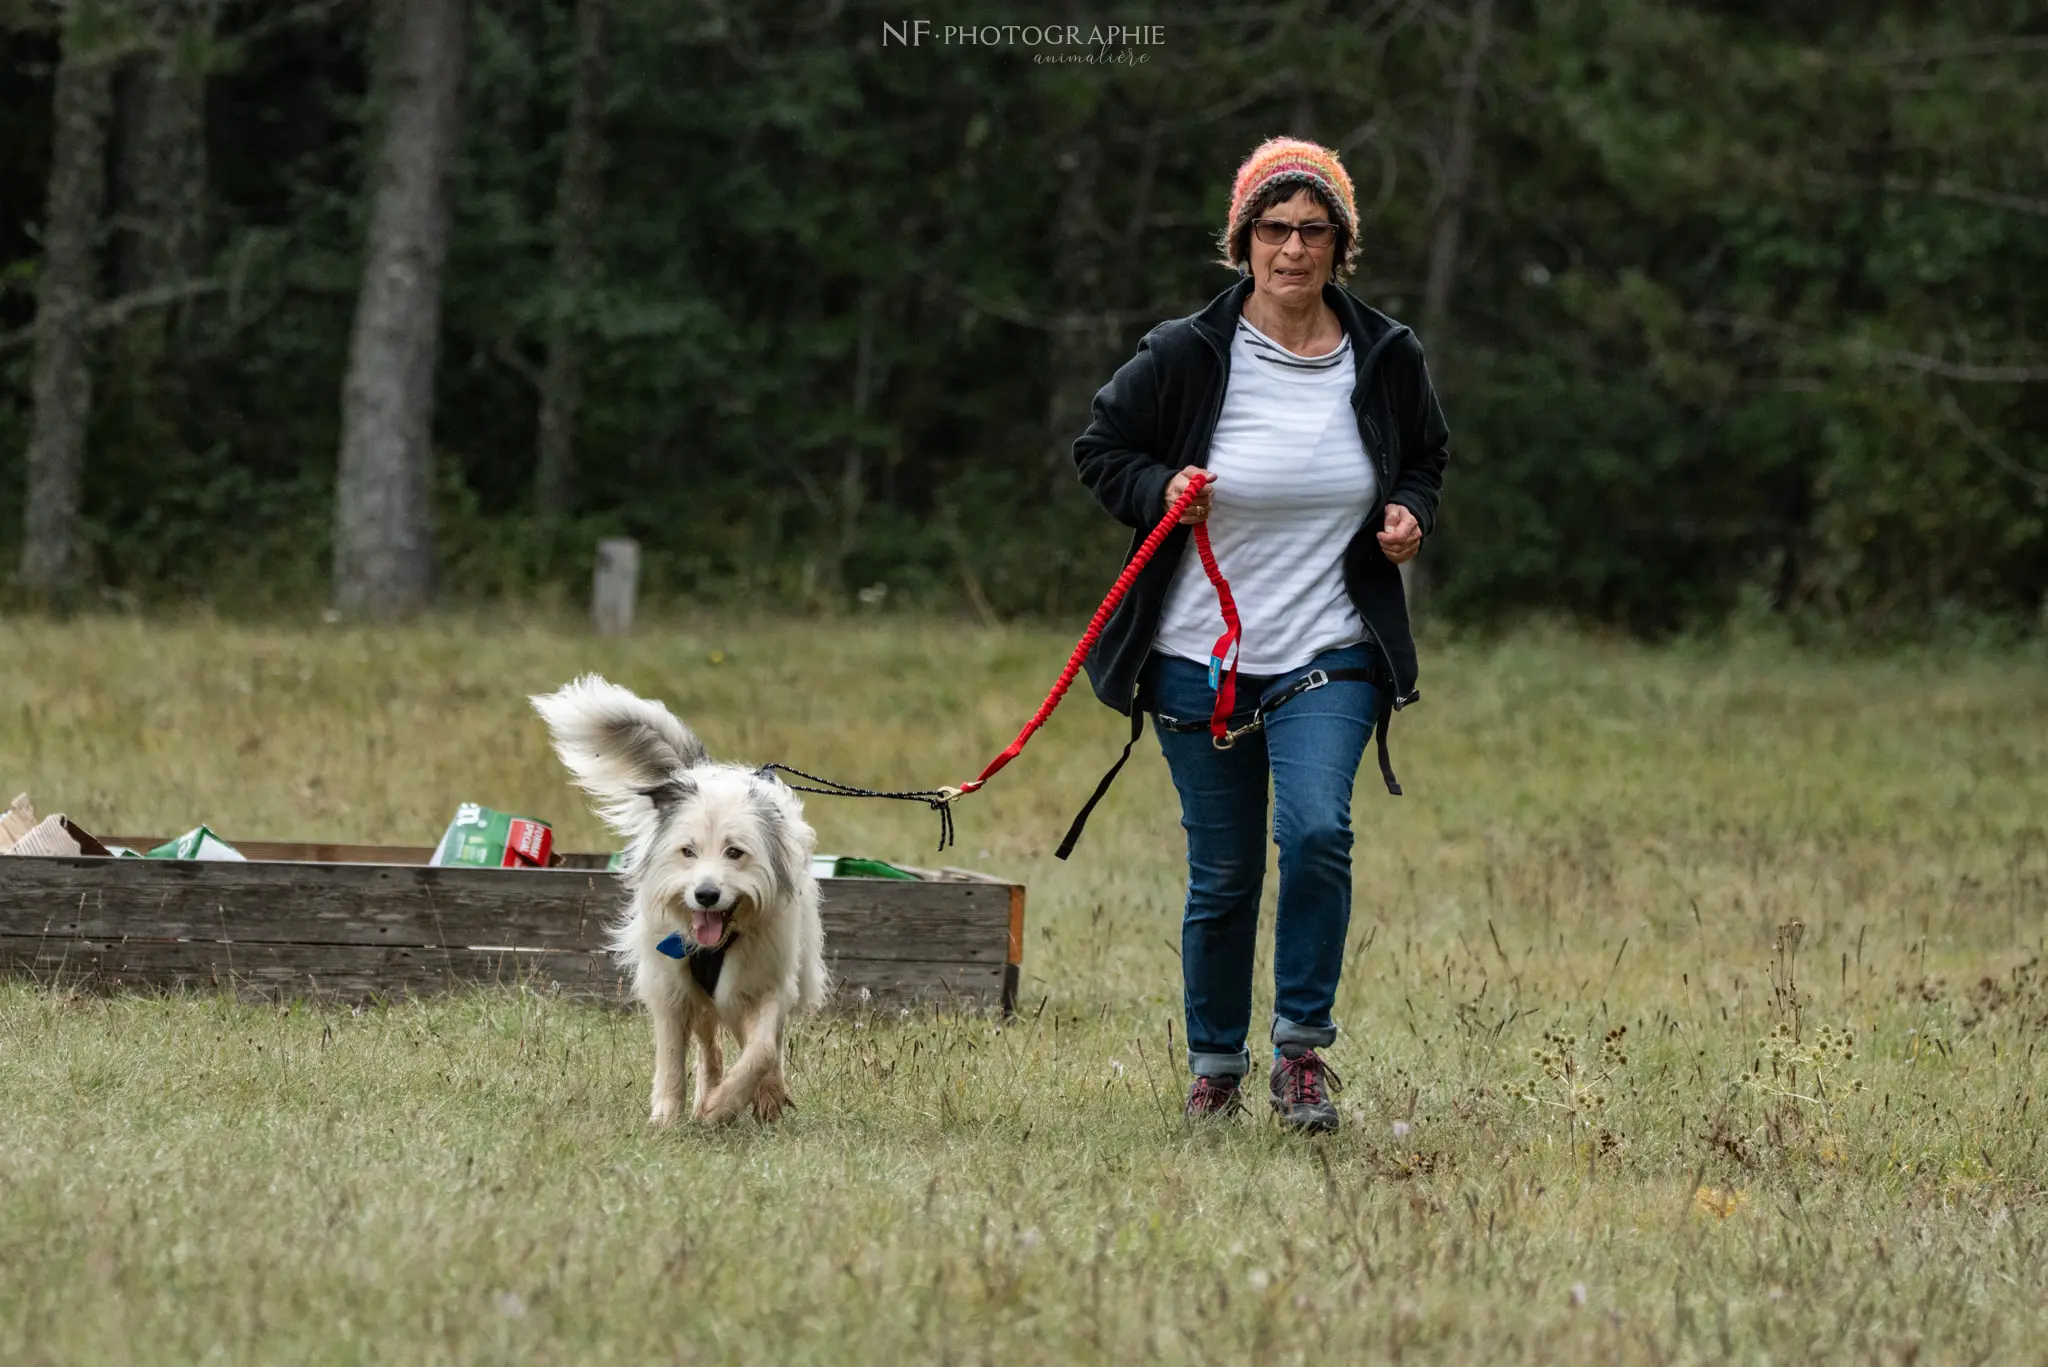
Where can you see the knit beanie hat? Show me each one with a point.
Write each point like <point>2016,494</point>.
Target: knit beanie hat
<point>1281,160</point>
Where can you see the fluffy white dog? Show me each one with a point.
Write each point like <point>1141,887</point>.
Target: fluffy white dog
<point>722,925</point>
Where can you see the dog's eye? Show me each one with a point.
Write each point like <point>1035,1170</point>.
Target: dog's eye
<point>735,853</point>
<point>689,851</point>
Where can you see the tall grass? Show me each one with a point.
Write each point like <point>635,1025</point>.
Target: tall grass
<point>1692,1012</point>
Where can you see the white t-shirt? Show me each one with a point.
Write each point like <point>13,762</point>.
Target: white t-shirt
<point>1293,486</point>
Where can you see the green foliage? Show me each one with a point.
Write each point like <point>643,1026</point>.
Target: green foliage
<point>1744,310</point>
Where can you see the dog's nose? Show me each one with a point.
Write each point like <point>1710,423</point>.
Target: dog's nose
<point>707,896</point>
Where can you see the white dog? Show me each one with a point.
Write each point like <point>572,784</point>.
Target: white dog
<point>722,926</point>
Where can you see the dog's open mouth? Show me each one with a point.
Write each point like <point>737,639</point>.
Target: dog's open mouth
<point>707,928</point>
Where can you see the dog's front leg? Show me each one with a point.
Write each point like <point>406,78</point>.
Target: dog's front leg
<point>710,1060</point>
<point>756,1076</point>
<point>671,1017</point>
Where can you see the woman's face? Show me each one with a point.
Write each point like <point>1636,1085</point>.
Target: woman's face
<point>1293,273</point>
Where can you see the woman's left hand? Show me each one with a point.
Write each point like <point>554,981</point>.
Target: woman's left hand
<point>1401,536</point>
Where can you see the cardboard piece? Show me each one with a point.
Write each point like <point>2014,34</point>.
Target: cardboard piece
<point>56,835</point>
<point>17,821</point>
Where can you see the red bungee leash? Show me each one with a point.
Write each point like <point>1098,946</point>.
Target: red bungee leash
<point>1222,656</point>
<point>1222,671</point>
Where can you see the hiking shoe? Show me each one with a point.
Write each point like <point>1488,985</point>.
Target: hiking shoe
<point>1214,1096</point>
<point>1302,1084</point>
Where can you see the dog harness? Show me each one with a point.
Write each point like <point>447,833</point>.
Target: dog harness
<point>704,961</point>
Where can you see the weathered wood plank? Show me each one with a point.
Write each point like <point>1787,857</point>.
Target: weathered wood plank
<point>893,982</point>
<point>877,918</point>
<point>298,851</point>
<point>398,905</point>
<point>317,852</point>
<point>378,904</point>
<point>362,972</point>
<point>348,972</point>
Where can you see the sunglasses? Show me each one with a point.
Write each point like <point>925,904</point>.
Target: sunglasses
<point>1275,231</point>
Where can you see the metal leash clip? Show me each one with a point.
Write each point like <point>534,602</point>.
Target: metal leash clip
<point>1307,683</point>
<point>1229,738</point>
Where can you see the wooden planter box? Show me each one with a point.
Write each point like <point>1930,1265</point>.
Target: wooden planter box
<point>357,922</point>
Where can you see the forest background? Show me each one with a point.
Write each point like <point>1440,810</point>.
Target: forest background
<point>1734,306</point>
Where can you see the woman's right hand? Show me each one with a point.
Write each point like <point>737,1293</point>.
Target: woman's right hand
<point>1198,511</point>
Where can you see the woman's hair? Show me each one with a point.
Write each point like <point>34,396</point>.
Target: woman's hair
<point>1237,249</point>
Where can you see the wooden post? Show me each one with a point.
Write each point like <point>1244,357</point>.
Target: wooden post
<point>613,588</point>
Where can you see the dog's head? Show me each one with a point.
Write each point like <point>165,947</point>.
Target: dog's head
<point>727,847</point>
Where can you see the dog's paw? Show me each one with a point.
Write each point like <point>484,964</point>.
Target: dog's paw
<point>665,1111</point>
<point>719,1108</point>
<point>771,1099</point>
<point>718,1114</point>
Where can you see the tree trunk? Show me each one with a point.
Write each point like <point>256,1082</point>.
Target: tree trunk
<point>1450,214</point>
<point>61,384</point>
<point>1450,224</point>
<point>579,199</point>
<point>163,148</point>
<point>383,535</point>
<point>1082,331</point>
<point>1302,123</point>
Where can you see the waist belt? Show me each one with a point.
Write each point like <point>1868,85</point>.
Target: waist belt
<point>1314,679</point>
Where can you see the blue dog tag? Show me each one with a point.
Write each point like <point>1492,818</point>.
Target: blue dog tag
<point>674,945</point>
<point>1215,672</point>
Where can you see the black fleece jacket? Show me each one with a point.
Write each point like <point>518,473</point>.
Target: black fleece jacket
<point>1157,415</point>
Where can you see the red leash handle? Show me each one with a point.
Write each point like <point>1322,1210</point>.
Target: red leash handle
<point>1146,550</point>
<point>1222,655</point>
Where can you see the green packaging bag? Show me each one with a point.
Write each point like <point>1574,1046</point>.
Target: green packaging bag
<point>197,843</point>
<point>480,838</point>
<point>848,866</point>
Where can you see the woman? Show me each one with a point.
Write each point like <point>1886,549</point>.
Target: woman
<point>1315,419</point>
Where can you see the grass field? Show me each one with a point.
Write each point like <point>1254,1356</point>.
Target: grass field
<point>1734,853</point>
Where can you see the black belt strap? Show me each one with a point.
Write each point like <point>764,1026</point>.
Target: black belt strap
<point>1074,831</point>
<point>1308,682</point>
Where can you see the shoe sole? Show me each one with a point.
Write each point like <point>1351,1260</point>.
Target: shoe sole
<point>1313,1124</point>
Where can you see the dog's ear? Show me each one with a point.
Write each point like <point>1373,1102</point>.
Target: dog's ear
<point>790,838</point>
<point>670,793</point>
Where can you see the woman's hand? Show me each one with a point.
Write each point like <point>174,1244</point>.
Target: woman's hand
<point>1198,511</point>
<point>1401,536</point>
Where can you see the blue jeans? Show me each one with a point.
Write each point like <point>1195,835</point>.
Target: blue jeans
<point>1310,747</point>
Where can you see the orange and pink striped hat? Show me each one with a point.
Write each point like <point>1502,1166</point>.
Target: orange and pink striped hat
<point>1290,159</point>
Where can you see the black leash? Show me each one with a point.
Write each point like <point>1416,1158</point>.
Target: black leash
<point>939,800</point>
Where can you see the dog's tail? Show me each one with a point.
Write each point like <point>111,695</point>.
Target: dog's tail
<point>618,745</point>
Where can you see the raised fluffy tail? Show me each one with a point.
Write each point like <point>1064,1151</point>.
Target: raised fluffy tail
<point>618,745</point>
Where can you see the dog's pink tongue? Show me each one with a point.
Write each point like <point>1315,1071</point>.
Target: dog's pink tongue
<point>707,927</point>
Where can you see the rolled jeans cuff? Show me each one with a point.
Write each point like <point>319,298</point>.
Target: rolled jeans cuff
<point>1314,1036</point>
<point>1220,1065</point>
